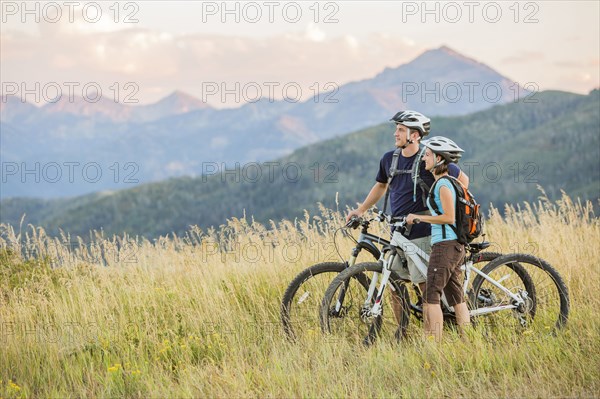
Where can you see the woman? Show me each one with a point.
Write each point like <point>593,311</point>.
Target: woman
<point>443,272</point>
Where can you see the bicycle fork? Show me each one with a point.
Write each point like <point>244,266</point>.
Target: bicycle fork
<point>376,309</point>
<point>341,296</point>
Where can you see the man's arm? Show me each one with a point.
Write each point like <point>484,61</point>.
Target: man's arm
<point>464,179</point>
<point>374,195</point>
<point>455,171</point>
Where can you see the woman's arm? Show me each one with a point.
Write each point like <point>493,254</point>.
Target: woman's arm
<point>447,208</point>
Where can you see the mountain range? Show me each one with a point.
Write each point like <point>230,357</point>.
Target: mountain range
<point>69,148</point>
<point>510,151</point>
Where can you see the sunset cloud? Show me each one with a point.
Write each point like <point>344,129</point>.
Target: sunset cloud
<point>161,62</point>
<point>161,56</point>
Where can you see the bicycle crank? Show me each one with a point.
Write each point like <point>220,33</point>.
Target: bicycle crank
<point>523,307</point>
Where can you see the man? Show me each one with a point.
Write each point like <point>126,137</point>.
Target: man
<point>411,127</point>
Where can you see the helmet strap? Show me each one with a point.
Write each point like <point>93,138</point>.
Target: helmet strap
<point>409,141</point>
<point>435,162</point>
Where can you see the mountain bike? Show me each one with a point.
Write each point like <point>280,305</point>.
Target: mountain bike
<point>515,291</point>
<point>301,300</point>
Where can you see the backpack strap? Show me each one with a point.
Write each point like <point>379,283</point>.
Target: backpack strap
<point>424,187</point>
<point>392,172</point>
<point>416,177</point>
<point>437,209</point>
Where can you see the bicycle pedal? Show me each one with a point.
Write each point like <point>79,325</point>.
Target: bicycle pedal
<point>368,341</point>
<point>400,334</point>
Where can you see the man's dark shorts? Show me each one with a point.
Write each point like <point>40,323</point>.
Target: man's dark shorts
<point>444,274</point>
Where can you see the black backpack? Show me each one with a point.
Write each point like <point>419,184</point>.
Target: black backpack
<point>469,224</point>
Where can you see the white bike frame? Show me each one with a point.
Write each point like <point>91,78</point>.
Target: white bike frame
<point>421,259</point>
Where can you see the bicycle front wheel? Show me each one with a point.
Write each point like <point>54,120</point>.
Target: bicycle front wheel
<point>301,300</point>
<point>544,297</point>
<point>346,313</point>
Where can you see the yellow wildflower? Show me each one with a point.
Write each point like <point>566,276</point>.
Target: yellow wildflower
<point>13,386</point>
<point>114,368</point>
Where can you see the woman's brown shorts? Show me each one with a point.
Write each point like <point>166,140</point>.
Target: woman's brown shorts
<point>444,274</point>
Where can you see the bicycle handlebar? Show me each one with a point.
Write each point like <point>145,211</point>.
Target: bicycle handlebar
<point>397,221</point>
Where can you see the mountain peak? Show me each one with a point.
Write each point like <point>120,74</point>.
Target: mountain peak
<point>11,107</point>
<point>88,107</point>
<point>444,52</point>
<point>446,49</point>
<point>182,93</point>
<point>179,94</point>
<point>180,102</point>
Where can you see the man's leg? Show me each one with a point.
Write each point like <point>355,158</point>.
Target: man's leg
<point>396,302</point>
<point>416,276</point>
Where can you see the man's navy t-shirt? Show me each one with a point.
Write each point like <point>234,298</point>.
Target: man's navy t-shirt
<point>401,189</point>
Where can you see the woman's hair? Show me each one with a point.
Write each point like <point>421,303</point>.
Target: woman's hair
<point>440,169</point>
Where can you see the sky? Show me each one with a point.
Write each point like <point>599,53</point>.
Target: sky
<point>141,51</point>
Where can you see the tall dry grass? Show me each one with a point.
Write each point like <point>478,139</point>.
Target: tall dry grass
<point>198,316</point>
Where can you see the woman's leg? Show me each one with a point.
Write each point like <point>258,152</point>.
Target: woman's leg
<point>462,315</point>
<point>434,321</point>
<point>454,293</point>
<point>443,275</point>
<point>432,312</point>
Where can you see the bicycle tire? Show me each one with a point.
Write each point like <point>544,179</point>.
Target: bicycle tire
<point>549,309</point>
<point>287,303</point>
<point>372,326</point>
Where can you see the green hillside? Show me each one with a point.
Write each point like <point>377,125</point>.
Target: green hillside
<point>510,150</point>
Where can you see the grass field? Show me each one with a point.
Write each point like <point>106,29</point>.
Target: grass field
<point>198,316</point>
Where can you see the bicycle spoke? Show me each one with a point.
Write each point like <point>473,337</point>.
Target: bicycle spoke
<point>543,306</point>
<point>360,322</point>
<point>304,309</point>
<point>490,296</point>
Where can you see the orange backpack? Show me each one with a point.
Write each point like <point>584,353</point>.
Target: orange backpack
<point>469,224</point>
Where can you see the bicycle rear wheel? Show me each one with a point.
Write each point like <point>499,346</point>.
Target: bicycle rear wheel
<point>344,312</point>
<point>545,296</point>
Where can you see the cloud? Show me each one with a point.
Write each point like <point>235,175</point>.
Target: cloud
<point>314,33</point>
<point>524,57</point>
<point>580,75</point>
<point>569,64</point>
<point>154,59</point>
<point>219,142</point>
<point>581,80</point>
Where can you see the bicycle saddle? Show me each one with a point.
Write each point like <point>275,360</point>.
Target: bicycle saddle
<point>478,246</point>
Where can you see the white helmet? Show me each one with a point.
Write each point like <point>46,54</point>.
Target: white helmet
<point>444,147</point>
<point>413,120</point>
